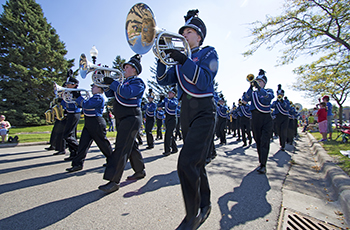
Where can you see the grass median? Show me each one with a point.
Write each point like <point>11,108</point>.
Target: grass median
<point>333,148</point>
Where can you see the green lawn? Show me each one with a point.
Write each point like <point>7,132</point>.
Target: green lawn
<point>333,148</point>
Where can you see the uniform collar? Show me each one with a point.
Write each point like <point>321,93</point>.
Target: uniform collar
<point>195,50</point>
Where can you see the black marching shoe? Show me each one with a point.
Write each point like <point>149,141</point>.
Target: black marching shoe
<point>244,144</point>
<point>109,187</point>
<point>261,169</point>
<point>50,148</point>
<point>192,224</point>
<point>137,175</point>
<point>75,168</point>
<point>70,158</point>
<point>174,151</point>
<point>205,211</point>
<point>60,153</point>
<point>149,147</point>
<point>166,154</point>
<point>282,149</point>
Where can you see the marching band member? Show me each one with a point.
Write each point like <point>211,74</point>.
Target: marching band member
<point>194,76</point>
<point>72,120</point>
<point>238,114</point>
<point>245,123</point>
<point>233,116</point>
<point>281,111</point>
<point>127,112</point>
<point>160,118</point>
<point>170,104</point>
<point>178,124</point>
<point>94,127</point>
<point>261,118</point>
<point>221,121</point>
<point>150,111</point>
<point>291,123</point>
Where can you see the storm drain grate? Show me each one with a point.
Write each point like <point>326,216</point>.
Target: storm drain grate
<point>295,221</point>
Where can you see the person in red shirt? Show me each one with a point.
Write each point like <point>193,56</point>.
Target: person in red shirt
<point>322,120</point>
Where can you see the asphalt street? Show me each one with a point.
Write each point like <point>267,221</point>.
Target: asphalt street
<point>37,193</point>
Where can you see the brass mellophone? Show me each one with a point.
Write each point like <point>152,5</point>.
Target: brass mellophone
<point>142,34</point>
<point>85,67</point>
<point>56,111</point>
<point>67,95</point>
<point>279,97</point>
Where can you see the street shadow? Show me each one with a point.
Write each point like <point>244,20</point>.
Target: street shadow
<point>281,158</point>
<point>20,153</point>
<point>156,182</point>
<point>45,179</point>
<point>8,170</point>
<point>238,150</point>
<point>50,213</point>
<point>249,201</point>
<point>24,159</point>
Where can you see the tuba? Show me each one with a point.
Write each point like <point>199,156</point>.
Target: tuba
<point>142,34</point>
<point>298,107</point>
<point>66,93</point>
<point>85,67</point>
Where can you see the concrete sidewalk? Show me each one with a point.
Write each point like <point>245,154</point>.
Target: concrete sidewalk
<point>37,193</point>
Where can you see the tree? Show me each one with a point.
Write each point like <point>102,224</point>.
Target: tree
<point>31,59</point>
<point>311,28</point>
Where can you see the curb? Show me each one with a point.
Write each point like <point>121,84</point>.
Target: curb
<point>340,181</point>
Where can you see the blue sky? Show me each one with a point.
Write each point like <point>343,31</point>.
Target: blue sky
<point>82,24</point>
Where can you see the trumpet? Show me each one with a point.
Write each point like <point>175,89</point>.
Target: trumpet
<point>279,97</point>
<point>86,67</point>
<point>142,34</point>
<point>250,77</point>
<point>67,95</point>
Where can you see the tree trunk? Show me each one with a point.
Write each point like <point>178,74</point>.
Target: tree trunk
<point>340,114</point>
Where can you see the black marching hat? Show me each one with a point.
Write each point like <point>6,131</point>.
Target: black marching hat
<point>173,89</point>
<point>70,79</point>
<point>150,94</point>
<point>261,76</point>
<point>280,90</point>
<point>135,61</point>
<point>193,21</point>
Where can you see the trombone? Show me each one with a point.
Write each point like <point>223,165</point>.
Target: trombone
<point>86,67</point>
<point>142,34</point>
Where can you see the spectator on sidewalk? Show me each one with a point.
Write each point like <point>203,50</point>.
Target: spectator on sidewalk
<point>4,127</point>
<point>322,121</point>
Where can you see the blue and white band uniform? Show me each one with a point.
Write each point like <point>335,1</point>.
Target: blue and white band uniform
<point>292,113</point>
<point>260,99</point>
<point>281,107</point>
<point>92,107</point>
<point>129,93</point>
<point>245,111</point>
<point>160,114</point>
<point>71,107</point>
<point>195,77</point>
<point>222,111</point>
<point>150,109</point>
<point>170,105</point>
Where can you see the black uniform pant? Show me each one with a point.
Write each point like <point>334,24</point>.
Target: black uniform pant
<point>159,128</point>
<point>169,140</point>
<point>221,129</point>
<point>70,133</point>
<point>198,123</point>
<point>148,129</point>
<point>54,132</point>
<point>126,148</point>
<point>281,122</point>
<point>245,128</point>
<point>234,124</point>
<point>60,143</point>
<point>262,129</point>
<point>94,130</point>
<point>178,129</point>
<point>290,132</point>
<point>238,126</point>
